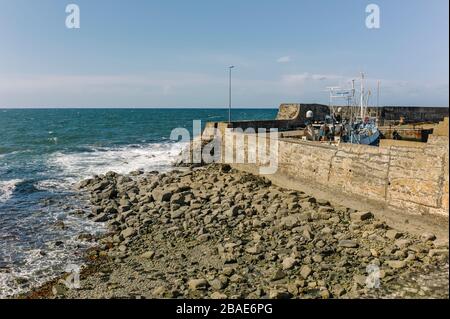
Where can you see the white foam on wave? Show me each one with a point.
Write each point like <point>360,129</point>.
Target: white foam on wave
<point>43,264</point>
<point>7,188</point>
<point>76,166</point>
<point>68,169</point>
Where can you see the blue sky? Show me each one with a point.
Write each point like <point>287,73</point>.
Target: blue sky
<point>168,53</point>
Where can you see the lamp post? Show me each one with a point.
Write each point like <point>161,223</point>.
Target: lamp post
<point>378,93</point>
<point>229,96</point>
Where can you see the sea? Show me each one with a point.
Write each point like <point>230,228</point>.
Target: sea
<point>45,152</point>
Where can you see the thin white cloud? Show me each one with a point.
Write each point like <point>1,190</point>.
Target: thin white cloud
<point>302,78</point>
<point>168,89</point>
<point>159,83</point>
<point>284,59</point>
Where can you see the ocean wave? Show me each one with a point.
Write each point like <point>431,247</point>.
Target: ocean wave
<point>49,185</point>
<point>8,152</point>
<point>76,166</point>
<point>23,265</point>
<point>27,258</point>
<point>7,188</point>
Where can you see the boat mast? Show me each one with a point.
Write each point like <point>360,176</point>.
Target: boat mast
<point>362,96</point>
<point>378,93</point>
<point>353,100</point>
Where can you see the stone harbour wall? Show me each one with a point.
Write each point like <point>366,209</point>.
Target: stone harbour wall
<point>386,115</point>
<point>292,116</point>
<point>409,178</point>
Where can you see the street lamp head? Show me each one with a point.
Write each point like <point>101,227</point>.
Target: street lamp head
<point>231,67</point>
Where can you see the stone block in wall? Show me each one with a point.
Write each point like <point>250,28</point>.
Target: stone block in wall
<point>414,190</point>
<point>360,169</point>
<point>415,177</point>
<point>371,168</point>
<point>442,128</point>
<point>242,148</point>
<point>421,166</point>
<point>385,143</point>
<point>405,152</point>
<point>445,183</point>
<point>445,195</point>
<point>305,161</point>
<point>437,140</point>
<point>438,147</point>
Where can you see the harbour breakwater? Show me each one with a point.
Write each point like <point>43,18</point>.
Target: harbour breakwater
<point>407,177</point>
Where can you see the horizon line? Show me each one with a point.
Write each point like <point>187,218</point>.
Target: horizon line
<point>134,107</point>
<point>185,107</point>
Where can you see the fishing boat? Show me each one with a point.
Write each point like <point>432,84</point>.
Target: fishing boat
<point>357,127</point>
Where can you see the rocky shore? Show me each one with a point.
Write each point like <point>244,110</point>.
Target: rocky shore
<point>215,232</point>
